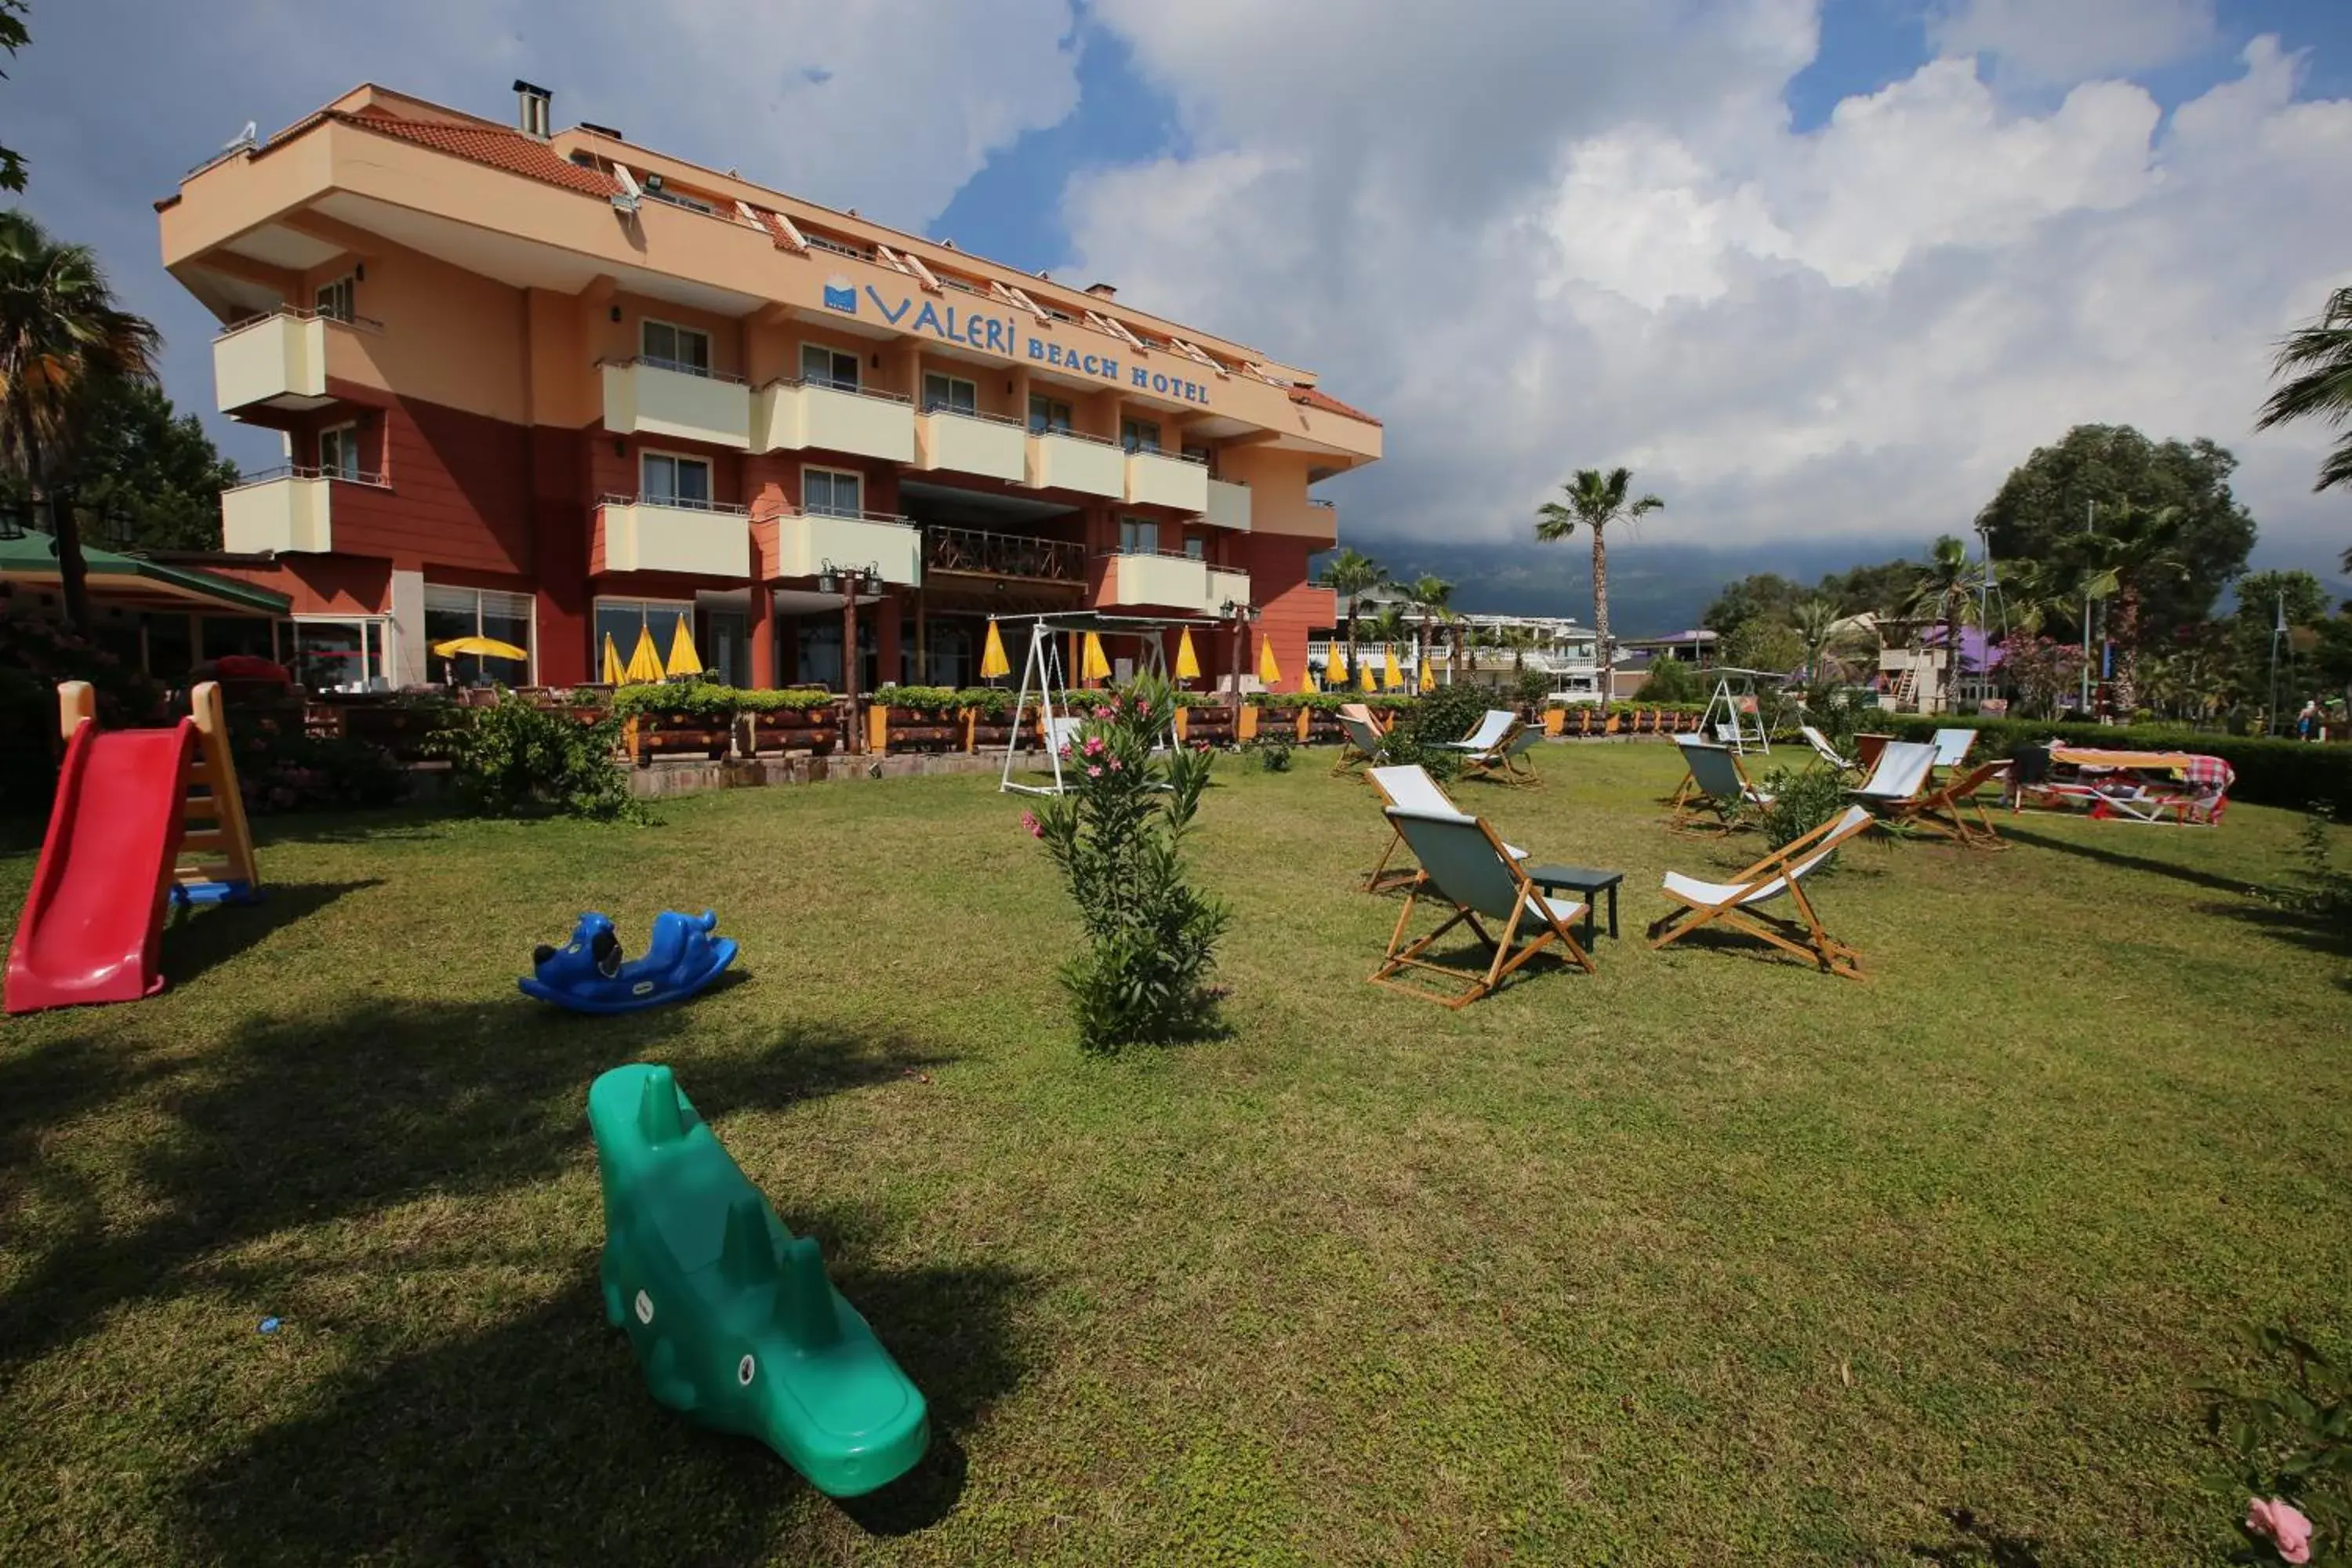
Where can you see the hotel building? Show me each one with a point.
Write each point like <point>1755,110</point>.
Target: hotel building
<point>550,386</point>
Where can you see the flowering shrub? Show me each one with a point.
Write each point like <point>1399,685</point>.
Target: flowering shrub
<point>1117,836</point>
<point>519,760</point>
<point>2289,1453</point>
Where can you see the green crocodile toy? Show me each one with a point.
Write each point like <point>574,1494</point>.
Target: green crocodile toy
<point>732,1315</point>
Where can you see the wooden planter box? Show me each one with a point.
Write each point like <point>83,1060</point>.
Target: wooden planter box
<point>1322,729</point>
<point>816,731</point>
<point>649,735</point>
<point>994,734</point>
<point>1206,726</point>
<point>905,730</point>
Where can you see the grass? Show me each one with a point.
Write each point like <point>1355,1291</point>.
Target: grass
<point>1707,1257</point>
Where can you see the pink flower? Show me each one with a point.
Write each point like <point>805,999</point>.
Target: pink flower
<point>1094,745</point>
<point>1110,711</point>
<point>1114,764</point>
<point>1094,772</point>
<point>2282,1525</point>
<point>1036,829</point>
<point>1066,751</point>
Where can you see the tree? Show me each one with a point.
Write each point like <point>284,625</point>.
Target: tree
<point>1945,593</point>
<point>13,36</point>
<point>1817,622</point>
<point>1596,500</point>
<point>1432,594</point>
<point>1871,590</point>
<point>2050,497</point>
<point>1764,595</point>
<point>1351,575</point>
<point>2134,552</point>
<point>62,340</point>
<point>153,468</point>
<point>1670,679</point>
<point>2042,672</point>
<point>2316,363</point>
<point>1762,642</point>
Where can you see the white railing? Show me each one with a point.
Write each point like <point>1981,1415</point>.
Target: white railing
<point>652,362</point>
<point>675,503</point>
<point>826,383</point>
<point>299,314</point>
<point>305,471</point>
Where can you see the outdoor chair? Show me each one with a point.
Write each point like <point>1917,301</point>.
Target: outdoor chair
<point>1866,749</point>
<point>1718,798</point>
<point>1506,761</point>
<point>1362,742</point>
<point>1945,809</point>
<point>1409,785</point>
<point>1467,869</point>
<point>1062,733</point>
<point>1490,733</point>
<point>1782,874</point>
<point>1827,753</point>
<point>1901,768</point>
<point>1952,746</point>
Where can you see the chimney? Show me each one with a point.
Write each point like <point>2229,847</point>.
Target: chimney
<point>1102,291</point>
<point>531,108</point>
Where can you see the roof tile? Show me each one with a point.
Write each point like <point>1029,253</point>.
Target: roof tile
<point>495,146</point>
<point>1314,398</point>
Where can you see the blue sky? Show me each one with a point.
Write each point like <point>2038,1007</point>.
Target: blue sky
<point>1530,238</point>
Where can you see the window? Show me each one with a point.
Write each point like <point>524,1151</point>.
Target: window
<point>340,656</point>
<point>822,366</point>
<point>830,492</point>
<point>1047,413</point>
<point>1196,548</point>
<point>674,348</point>
<point>339,452</point>
<point>839,247</point>
<point>951,392</point>
<point>1138,435</point>
<point>1139,536</point>
<point>666,479</point>
<point>333,300</point>
<point>1203,456</point>
<point>662,193</point>
<point>623,621</point>
<point>477,612</point>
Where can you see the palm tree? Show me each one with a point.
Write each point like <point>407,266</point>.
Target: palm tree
<point>2318,361</point>
<point>1351,575</point>
<point>1430,594</point>
<point>1946,593</point>
<point>1595,499</point>
<point>1817,622</point>
<point>2133,547</point>
<point>61,336</point>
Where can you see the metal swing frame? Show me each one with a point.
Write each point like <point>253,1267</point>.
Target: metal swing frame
<point>1747,731</point>
<point>1042,672</point>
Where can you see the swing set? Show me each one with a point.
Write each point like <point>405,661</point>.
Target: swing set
<point>1741,726</point>
<point>1061,706</point>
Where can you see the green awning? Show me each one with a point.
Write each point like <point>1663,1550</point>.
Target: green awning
<point>32,561</point>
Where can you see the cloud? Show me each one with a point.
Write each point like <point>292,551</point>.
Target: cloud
<point>1855,330</point>
<point>2040,42</point>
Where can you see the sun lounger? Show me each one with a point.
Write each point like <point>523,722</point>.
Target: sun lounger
<point>1409,785</point>
<point>1465,867</point>
<point>1827,753</point>
<point>1719,798</point>
<point>1505,762</point>
<point>1737,903</point>
<point>1952,747</point>
<point>1901,770</point>
<point>1946,809</point>
<point>1490,732</point>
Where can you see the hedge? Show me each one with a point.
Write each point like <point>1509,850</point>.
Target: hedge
<point>707,700</point>
<point>2296,774</point>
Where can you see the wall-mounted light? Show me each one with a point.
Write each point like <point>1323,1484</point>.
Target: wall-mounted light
<point>359,272</point>
<point>617,313</point>
<point>877,361</point>
<point>620,447</point>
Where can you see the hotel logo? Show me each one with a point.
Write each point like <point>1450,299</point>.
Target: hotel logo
<point>840,294</point>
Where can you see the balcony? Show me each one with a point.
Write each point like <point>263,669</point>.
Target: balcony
<point>971,444</point>
<point>1155,478</point>
<point>1064,460</point>
<point>707,539</point>
<point>976,552</point>
<point>281,511</point>
<point>1172,583</point>
<point>794,415</point>
<point>805,541</point>
<point>654,398</point>
<point>283,361</point>
<point>1229,506</point>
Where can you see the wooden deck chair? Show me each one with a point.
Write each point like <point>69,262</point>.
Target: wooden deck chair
<point>1466,867</point>
<point>1953,746</point>
<point>1898,775</point>
<point>1491,732</point>
<point>1945,809</point>
<point>1866,749</point>
<point>1409,785</point>
<point>1782,874</point>
<point>1682,790</point>
<point>1827,753</point>
<point>1506,762</point>
<point>1362,745</point>
<point>1720,799</point>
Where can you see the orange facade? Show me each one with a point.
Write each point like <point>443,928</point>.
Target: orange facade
<point>558,390</point>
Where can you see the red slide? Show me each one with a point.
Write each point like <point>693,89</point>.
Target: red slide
<point>94,919</point>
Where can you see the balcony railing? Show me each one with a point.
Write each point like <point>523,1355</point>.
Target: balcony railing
<point>299,313</point>
<point>676,503</point>
<point>302,471</point>
<point>654,362</point>
<point>973,550</point>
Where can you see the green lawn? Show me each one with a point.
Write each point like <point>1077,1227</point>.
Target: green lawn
<point>1707,1257</point>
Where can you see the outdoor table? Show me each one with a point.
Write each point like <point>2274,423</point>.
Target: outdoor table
<point>2195,787</point>
<point>1583,879</point>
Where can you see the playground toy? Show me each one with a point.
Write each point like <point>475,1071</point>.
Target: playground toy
<point>144,819</point>
<point>732,1318</point>
<point>587,974</point>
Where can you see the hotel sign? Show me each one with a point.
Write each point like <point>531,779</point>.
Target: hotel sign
<point>975,328</point>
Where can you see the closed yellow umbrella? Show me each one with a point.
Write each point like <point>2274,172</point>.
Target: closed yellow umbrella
<point>485,648</point>
<point>683,659</point>
<point>614,674</point>
<point>1428,675</point>
<point>1364,679</point>
<point>1188,663</point>
<point>1268,671</point>
<point>644,664</point>
<point>1307,682</point>
<point>993,662</point>
<point>1092,665</point>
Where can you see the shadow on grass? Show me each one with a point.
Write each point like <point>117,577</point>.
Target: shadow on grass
<point>297,1122</point>
<point>536,1441</point>
<point>1975,1542</point>
<point>197,940</point>
<point>2118,858</point>
<point>2313,933</point>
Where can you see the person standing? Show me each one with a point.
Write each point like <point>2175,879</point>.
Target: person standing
<point>2307,724</point>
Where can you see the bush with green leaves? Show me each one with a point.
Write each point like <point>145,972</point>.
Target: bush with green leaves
<point>1117,835</point>
<point>1803,799</point>
<point>2287,1450</point>
<point>1672,680</point>
<point>517,759</point>
<point>1273,752</point>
